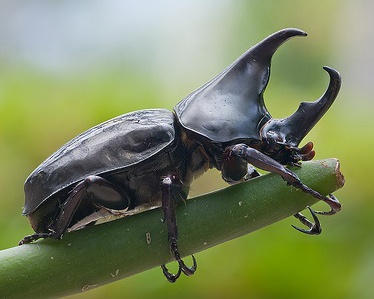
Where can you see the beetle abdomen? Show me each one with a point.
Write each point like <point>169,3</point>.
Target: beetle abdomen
<point>114,145</point>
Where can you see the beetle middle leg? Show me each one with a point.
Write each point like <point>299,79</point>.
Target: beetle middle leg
<point>168,205</point>
<point>243,152</point>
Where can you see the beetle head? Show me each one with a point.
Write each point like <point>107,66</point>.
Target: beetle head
<point>285,134</point>
<point>230,107</point>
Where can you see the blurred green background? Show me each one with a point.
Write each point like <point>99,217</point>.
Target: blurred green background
<point>66,66</point>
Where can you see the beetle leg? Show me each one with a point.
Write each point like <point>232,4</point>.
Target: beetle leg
<point>236,170</point>
<point>105,195</point>
<point>260,160</point>
<point>168,205</point>
<point>314,228</point>
<point>251,173</point>
<point>31,238</point>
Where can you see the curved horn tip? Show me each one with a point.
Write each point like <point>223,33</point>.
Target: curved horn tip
<point>332,72</point>
<point>335,79</point>
<point>265,49</point>
<point>293,31</point>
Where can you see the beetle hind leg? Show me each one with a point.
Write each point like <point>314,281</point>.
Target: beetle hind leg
<point>105,195</point>
<point>168,205</point>
<point>33,237</point>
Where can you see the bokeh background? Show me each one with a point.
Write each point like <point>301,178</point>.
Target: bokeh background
<point>68,65</point>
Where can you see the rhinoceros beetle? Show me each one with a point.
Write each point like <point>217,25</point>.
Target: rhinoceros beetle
<point>150,157</point>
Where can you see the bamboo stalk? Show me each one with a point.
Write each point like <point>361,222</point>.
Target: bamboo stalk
<point>114,250</point>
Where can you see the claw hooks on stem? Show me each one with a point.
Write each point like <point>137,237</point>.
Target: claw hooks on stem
<point>181,268</point>
<point>314,228</point>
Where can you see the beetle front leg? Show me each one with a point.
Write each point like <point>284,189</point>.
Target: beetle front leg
<point>168,205</point>
<point>314,228</point>
<point>264,162</point>
<point>234,154</point>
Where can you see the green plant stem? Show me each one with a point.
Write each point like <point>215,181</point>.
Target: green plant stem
<point>117,249</point>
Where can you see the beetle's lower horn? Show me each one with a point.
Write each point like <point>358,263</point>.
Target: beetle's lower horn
<point>294,128</point>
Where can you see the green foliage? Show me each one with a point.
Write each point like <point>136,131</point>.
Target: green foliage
<point>41,110</point>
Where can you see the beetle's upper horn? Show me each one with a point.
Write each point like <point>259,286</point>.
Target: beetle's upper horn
<point>293,129</point>
<point>231,105</point>
<point>265,49</point>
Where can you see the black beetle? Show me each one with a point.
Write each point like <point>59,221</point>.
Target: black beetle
<point>149,157</point>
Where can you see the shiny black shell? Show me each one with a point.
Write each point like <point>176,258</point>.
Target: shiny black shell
<point>112,146</point>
